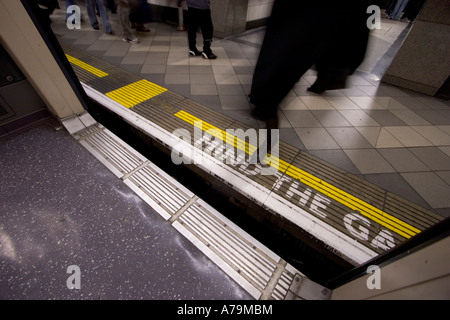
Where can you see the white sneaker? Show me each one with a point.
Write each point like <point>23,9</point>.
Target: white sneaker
<point>134,40</point>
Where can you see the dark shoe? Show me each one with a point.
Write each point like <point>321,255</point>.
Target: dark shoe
<point>195,53</point>
<point>316,89</point>
<point>96,28</point>
<point>142,29</point>
<point>210,56</point>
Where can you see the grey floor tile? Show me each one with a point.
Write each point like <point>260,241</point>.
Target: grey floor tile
<point>243,116</point>
<point>359,118</point>
<point>431,187</point>
<point>226,79</point>
<point>133,68</point>
<point>173,78</point>
<point>396,184</point>
<point>234,102</point>
<point>244,69</point>
<point>283,122</point>
<point>200,69</point>
<point>115,60</point>
<point>212,101</point>
<point>231,90</point>
<point>177,69</point>
<point>432,157</point>
<point>408,137</point>
<point>301,119</point>
<point>410,117</point>
<point>316,139</point>
<point>337,158</point>
<point>434,117</point>
<point>445,175</point>
<point>349,138</point>
<point>134,57</point>
<point>385,118</point>
<point>433,134</point>
<point>289,136</point>
<point>411,102</point>
<point>369,161</point>
<point>181,89</point>
<point>403,160</point>
<point>201,78</point>
<point>153,68</point>
<point>204,89</point>
<point>330,118</point>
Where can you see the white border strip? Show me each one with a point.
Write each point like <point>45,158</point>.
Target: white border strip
<point>332,237</point>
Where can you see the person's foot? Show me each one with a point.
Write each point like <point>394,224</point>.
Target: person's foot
<point>134,40</point>
<point>142,29</point>
<point>194,53</point>
<point>209,55</point>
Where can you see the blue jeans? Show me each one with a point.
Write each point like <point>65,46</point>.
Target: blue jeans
<point>90,6</point>
<point>398,10</point>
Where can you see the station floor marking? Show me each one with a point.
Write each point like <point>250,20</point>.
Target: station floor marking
<point>140,91</point>
<point>99,73</point>
<point>135,93</point>
<point>400,227</point>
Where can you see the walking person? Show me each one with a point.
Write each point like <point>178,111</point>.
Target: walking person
<point>140,13</point>
<point>398,10</point>
<point>124,18</point>
<point>199,15</point>
<point>331,34</point>
<point>90,7</point>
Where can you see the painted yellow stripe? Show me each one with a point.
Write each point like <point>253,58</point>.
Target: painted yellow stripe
<point>135,93</point>
<point>87,67</point>
<point>398,226</point>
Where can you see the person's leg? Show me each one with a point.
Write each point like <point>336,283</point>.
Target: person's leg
<point>192,26</point>
<point>90,7</point>
<point>68,4</point>
<point>104,15</point>
<point>207,29</point>
<point>399,9</point>
<point>124,18</point>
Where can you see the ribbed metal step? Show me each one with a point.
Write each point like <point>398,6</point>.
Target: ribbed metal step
<point>252,265</point>
<point>352,218</point>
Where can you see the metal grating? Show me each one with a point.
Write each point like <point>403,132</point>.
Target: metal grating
<point>159,189</point>
<point>112,150</point>
<point>239,253</point>
<point>253,266</point>
<point>282,287</point>
<point>5,111</point>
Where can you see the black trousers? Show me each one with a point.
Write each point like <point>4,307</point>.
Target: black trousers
<point>329,34</point>
<point>200,18</point>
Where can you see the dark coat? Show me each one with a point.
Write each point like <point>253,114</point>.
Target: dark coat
<point>330,34</point>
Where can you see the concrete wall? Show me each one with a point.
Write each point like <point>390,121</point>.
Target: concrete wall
<point>422,64</point>
<point>230,17</point>
<point>24,44</point>
<point>422,275</point>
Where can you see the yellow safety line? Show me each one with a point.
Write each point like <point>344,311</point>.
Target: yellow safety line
<point>400,227</point>
<point>87,67</point>
<point>135,93</point>
<point>142,90</point>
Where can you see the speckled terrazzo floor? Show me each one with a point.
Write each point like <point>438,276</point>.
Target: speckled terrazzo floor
<point>61,207</point>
